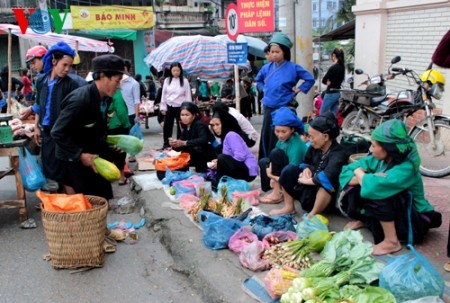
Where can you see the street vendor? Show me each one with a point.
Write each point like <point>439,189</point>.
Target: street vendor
<point>80,130</point>
<point>52,86</point>
<point>290,149</point>
<point>196,138</point>
<point>316,180</point>
<point>279,80</point>
<point>234,158</point>
<point>382,186</point>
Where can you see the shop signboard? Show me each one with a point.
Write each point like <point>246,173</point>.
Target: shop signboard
<point>110,17</point>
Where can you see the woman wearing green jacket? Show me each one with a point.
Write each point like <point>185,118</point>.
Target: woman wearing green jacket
<point>381,187</point>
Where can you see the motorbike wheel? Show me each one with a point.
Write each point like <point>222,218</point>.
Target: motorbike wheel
<point>354,124</point>
<point>435,160</point>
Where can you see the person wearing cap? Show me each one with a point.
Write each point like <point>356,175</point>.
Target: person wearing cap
<point>290,149</point>
<point>381,186</point>
<point>51,88</point>
<point>279,80</point>
<point>315,181</point>
<point>33,58</point>
<point>81,127</point>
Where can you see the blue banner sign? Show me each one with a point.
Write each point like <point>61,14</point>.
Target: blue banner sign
<point>237,53</point>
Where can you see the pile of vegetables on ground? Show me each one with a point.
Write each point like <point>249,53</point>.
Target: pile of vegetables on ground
<point>344,274</point>
<point>305,262</point>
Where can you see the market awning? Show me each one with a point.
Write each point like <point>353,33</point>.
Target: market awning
<point>84,44</point>
<point>344,32</point>
<point>123,34</point>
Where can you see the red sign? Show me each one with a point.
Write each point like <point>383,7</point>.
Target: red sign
<point>256,16</point>
<point>232,22</point>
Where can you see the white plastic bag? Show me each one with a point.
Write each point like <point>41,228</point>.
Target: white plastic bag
<point>148,181</point>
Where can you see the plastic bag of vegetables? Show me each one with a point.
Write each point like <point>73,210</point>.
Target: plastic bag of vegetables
<point>308,225</point>
<point>241,239</point>
<point>250,257</point>
<point>278,280</point>
<point>217,230</point>
<point>129,144</point>
<point>411,276</point>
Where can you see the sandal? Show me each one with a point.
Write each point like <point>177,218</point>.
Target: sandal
<point>109,245</point>
<point>122,183</point>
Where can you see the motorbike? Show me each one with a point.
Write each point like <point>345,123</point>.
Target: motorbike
<point>431,134</point>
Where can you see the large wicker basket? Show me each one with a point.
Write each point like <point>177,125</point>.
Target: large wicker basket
<point>355,157</point>
<point>75,239</point>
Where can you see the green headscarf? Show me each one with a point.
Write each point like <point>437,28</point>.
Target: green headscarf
<point>394,131</point>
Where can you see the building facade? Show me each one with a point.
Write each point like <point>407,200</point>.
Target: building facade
<point>324,15</point>
<point>407,28</point>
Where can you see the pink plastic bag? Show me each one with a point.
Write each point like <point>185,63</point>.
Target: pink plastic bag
<point>187,186</point>
<point>251,257</point>
<point>277,237</point>
<point>250,197</point>
<point>187,201</point>
<point>240,239</point>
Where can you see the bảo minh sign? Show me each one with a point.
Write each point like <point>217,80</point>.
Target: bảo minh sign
<point>256,16</point>
<point>110,17</point>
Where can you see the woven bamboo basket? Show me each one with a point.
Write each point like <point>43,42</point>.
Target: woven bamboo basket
<point>356,157</point>
<point>75,239</point>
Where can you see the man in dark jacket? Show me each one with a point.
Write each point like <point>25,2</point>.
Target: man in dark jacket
<point>80,130</point>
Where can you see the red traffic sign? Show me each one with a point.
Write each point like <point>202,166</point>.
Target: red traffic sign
<point>232,21</point>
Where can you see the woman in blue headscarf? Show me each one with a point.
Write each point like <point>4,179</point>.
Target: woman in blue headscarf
<point>314,183</point>
<point>290,149</point>
<point>52,87</point>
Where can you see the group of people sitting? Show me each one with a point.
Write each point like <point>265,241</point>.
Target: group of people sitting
<point>310,166</point>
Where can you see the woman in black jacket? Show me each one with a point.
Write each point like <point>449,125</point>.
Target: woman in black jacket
<point>333,80</point>
<point>196,139</point>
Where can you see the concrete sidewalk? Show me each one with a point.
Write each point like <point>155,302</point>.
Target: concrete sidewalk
<point>219,272</point>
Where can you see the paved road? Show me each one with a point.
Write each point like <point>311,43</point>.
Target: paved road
<point>143,272</point>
